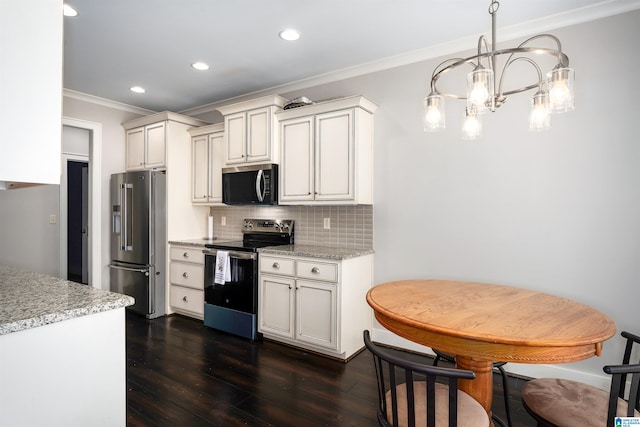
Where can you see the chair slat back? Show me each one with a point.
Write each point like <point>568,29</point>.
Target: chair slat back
<point>392,371</point>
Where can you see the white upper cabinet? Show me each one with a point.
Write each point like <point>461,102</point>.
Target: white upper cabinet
<point>147,139</point>
<point>327,153</point>
<point>146,147</point>
<point>251,130</point>
<point>207,150</point>
<point>31,42</point>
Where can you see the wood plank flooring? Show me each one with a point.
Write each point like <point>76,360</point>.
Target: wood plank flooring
<point>180,373</point>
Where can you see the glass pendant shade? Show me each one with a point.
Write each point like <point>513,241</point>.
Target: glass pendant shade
<point>480,90</point>
<point>433,115</point>
<point>472,126</point>
<point>540,114</point>
<point>560,82</point>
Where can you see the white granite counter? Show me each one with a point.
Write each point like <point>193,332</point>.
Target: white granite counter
<point>29,300</point>
<point>199,243</point>
<point>315,251</point>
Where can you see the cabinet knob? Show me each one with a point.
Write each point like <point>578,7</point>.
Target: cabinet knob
<point>276,265</point>
<point>184,298</point>
<point>315,270</point>
<point>186,254</point>
<point>185,275</point>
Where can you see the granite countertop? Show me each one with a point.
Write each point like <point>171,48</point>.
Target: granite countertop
<point>315,251</point>
<point>29,300</point>
<point>199,243</point>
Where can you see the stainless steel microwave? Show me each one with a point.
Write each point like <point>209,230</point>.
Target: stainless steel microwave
<point>250,185</point>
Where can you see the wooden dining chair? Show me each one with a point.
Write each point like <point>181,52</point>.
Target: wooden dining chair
<point>559,402</point>
<point>499,366</point>
<point>412,394</point>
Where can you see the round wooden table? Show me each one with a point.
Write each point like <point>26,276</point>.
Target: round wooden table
<point>482,323</point>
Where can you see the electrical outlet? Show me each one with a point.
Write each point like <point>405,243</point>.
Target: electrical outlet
<point>327,223</point>
<point>52,219</point>
<point>223,220</point>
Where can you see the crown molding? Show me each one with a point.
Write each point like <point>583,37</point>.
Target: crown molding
<point>68,93</point>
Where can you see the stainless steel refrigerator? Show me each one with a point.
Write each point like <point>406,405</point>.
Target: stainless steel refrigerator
<point>138,239</point>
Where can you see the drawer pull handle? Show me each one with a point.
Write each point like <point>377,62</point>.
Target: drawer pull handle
<point>185,275</point>
<point>184,298</point>
<point>276,265</point>
<point>315,270</point>
<point>186,254</point>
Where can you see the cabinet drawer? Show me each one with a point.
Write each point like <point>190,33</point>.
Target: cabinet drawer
<point>274,265</point>
<point>186,274</point>
<point>187,299</point>
<point>318,271</point>
<point>180,253</point>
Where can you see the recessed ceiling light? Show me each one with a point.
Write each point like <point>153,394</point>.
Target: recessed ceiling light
<point>200,66</point>
<point>289,34</point>
<point>68,10</point>
<point>137,89</point>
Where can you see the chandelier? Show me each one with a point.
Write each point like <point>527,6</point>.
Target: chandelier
<point>485,92</point>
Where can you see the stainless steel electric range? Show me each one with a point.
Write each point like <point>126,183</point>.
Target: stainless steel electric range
<point>233,306</point>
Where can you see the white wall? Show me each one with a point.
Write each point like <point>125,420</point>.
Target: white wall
<point>111,116</point>
<point>27,239</point>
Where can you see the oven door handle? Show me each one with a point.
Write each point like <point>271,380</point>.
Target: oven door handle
<point>238,255</point>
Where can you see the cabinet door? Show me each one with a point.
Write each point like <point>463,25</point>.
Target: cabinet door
<point>276,302</point>
<point>199,168</point>
<point>135,148</point>
<point>236,137</point>
<point>155,139</point>
<point>297,160</point>
<point>259,135</point>
<point>216,161</point>
<point>335,156</point>
<point>316,313</point>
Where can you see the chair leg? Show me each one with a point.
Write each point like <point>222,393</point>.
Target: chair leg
<point>505,386</point>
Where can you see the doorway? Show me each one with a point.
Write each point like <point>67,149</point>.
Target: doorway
<point>91,140</point>
<point>78,221</point>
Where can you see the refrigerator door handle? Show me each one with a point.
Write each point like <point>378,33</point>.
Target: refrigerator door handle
<point>126,221</point>
<point>138,270</point>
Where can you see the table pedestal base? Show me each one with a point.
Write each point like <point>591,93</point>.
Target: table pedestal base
<point>481,388</point>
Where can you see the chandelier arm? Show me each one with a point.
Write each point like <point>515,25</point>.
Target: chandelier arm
<point>510,51</point>
<point>562,59</point>
<point>506,66</point>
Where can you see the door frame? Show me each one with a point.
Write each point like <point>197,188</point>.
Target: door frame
<point>95,200</point>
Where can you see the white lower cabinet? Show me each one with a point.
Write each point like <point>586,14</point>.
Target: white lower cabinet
<point>187,281</point>
<point>315,303</point>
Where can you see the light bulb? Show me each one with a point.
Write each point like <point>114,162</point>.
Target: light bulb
<point>479,94</point>
<point>560,82</point>
<point>559,93</point>
<point>480,90</point>
<point>472,127</point>
<point>539,118</point>
<point>433,118</point>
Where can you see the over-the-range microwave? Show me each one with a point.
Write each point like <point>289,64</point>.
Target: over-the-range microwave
<point>250,185</point>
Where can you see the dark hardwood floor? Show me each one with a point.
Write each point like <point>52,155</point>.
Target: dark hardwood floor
<point>180,373</point>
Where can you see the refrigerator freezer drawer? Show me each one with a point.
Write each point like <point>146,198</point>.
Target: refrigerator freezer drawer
<point>137,282</point>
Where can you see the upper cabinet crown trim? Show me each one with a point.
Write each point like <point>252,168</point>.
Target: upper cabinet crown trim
<point>162,116</point>
<point>203,130</point>
<point>264,101</point>
<point>327,106</point>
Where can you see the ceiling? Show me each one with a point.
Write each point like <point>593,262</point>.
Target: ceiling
<point>113,45</point>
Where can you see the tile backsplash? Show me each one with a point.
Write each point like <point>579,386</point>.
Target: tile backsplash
<point>351,226</point>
